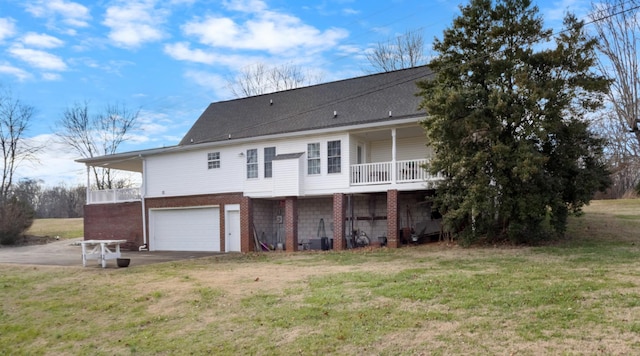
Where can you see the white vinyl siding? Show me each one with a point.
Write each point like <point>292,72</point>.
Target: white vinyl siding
<point>410,148</point>
<point>184,173</point>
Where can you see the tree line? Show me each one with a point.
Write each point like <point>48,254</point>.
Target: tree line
<point>60,201</point>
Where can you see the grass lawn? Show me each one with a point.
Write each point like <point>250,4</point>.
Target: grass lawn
<point>579,296</point>
<point>64,228</point>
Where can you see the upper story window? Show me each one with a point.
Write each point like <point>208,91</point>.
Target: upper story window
<point>252,163</point>
<point>313,158</point>
<point>213,160</point>
<point>269,155</point>
<point>334,164</point>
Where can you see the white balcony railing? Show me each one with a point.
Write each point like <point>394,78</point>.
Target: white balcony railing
<point>407,171</point>
<point>113,196</point>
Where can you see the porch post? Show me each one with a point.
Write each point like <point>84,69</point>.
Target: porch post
<point>338,221</point>
<point>291,223</point>
<point>246,223</point>
<point>88,198</point>
<point>393,155</point>
<point>392,219</point>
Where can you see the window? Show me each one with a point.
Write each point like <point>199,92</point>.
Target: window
<point>252,163</point>
<point>213,160</point>
<point>334,164</point>
<point>269,155</point>
<point>313,158</point>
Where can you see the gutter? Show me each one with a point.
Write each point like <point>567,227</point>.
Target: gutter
<point>143,194</point>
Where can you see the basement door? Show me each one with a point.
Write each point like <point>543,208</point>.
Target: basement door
<point>232,241</point>
<point>188,229</point>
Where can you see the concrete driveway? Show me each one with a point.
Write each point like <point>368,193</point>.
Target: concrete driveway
<point>69,253</point>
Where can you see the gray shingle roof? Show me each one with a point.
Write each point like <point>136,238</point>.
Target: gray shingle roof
<point>354,101</point>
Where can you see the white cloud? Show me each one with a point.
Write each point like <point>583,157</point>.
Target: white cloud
<point>153,123</point>
<point>7,28</point>
<point>182,51</point>
<point>210,81</point>
<point>266,31</point>
<point>55,164</point>
<point>349,11</point>
<point>71,13</point>
<point>134,23</point>
<point>51,76</point>
<point>37,58</point>
<point>41,40</point>
<point>21,75</point>
<point>245,5</point>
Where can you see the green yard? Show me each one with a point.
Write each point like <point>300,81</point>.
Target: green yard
<point>581,296</point>
<point>64,228</point>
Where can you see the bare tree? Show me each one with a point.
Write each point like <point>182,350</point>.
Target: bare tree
<point>15,117</point>
<point>404,51</point>
<point>95,135</point>
<point>622,152</point>
<point>261,79</point>
<point>618,27</point>
<point>15,216</point>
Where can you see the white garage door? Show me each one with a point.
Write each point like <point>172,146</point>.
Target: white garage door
<point>193,229</point>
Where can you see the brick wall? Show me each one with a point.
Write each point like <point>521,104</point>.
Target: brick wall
<point>339,208</point>
<point>392,219</point>
<point>246,231</point>
<point>114,222</point>
<point>291,223</point>
<point>124,220</point>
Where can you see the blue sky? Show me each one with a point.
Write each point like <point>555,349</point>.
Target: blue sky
<point>171,58</point>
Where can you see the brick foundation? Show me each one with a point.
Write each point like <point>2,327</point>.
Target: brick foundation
<point>124,220</point>
<point>114,222</point>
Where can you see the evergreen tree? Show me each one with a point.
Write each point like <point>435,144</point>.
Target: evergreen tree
<point>506,118</point>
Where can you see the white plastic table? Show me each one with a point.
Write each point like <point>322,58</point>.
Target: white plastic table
<point>101,250</point>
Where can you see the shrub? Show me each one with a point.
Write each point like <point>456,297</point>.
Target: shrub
<point>15,218</point>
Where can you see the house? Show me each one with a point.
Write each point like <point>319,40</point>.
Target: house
<point>282,170</point>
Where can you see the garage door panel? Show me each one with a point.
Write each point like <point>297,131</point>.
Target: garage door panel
<point>193,229</point>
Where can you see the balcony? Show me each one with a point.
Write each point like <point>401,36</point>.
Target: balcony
<point>110,196</point>
<point>408,171</point>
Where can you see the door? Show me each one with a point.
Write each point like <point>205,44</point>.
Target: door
<point>189,229</point>
<point>232,241</point>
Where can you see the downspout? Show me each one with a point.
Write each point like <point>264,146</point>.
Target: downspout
<point>143,194</point>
